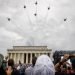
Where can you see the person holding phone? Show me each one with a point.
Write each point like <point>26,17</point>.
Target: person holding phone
<point>11,70</point>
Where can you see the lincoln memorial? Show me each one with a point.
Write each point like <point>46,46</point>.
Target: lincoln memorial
<point>25,53</point>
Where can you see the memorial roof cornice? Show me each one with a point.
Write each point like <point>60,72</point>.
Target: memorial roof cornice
<point>29,49</point>
<point>29,46</point>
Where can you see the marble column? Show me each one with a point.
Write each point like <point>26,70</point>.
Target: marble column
<point>11,56</point>
<point>18,57</point>
<point>30,58</point>
<point>26,58</point>
<point>22,58</point>
<point>15,58</point>
<point>36,54</point>
<point>39,54</point>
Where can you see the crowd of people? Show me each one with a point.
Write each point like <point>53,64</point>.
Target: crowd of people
<point>40,66</point>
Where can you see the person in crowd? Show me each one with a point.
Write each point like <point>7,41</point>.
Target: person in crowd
<point>44,66</point>
<point>29,70</point>
<point>3,66</point>
<point>21,68</point>
<point>73,66</point>
<point>70,70</point>
<point>11,69</point>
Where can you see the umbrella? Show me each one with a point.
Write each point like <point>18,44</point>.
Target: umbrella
<point>44,66</point>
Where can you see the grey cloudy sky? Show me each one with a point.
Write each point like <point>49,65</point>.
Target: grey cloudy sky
<point>47,28</point>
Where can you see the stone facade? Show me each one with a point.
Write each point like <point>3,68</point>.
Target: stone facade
<point>25,53</point>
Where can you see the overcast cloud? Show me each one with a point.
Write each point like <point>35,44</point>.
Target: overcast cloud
<point>47,28</point>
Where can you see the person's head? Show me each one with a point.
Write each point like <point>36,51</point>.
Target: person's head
<point>34,60</point>
<point>44,66</point>
<point>11,62</point>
